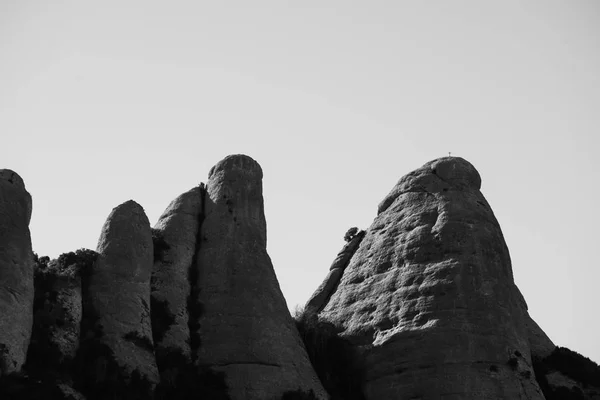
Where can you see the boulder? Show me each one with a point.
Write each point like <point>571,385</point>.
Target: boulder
<point>429,295</point>
<point>244,327</point>
<point>116,327</point>
<point>175,236</point>
<point>16,272</point>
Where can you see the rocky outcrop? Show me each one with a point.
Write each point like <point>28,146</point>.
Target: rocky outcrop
<point>422,305</point>
<point>116,325</point>
<point>175,236</point>
<point>319,298</point>
<point>16,272</point>
<point>430,298</point>
<point>244,327</point>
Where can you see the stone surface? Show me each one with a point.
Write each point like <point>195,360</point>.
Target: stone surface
<point>16,272</point>
<point>245,328</point>
<point>177,229</point>
<point>116,302</point>
<point>429,295</point>
<point>540,344</point>
<point>319,298</point>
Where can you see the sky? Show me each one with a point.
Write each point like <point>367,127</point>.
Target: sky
<point>102,102</point>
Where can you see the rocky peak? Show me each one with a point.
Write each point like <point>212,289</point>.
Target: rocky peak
<point>235,185</point>
<point>244,328</point>
<point>16,272</point>
<point>12,182</point>
<point>420,305</point>
<point>429,294</point>
<point>440,175</point>
<point>116,305</point>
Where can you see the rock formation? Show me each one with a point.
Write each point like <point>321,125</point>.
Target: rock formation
<point>245,329</point>
<point>429,295</point>
<point>175,236</point>
<point>117,329</point>
<point>321,296</point>
<point>421,305</point>
<point>16,272</point>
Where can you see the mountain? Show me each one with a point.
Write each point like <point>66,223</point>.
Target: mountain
<point>421,305</point>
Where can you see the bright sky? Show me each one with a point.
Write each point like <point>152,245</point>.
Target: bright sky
<point>105,101</point>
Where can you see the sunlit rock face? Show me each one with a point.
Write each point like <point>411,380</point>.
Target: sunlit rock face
<point>16,272</point>
<point>429,295</point>
<point>244,327</point>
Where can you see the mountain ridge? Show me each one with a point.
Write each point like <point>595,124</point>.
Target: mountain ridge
<point>433,269</point>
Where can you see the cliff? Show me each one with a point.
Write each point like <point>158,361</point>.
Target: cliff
<point>421,305</point>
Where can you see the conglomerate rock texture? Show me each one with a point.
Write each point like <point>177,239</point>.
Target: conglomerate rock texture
<point>16,272</point>
<point>429,295</point>
<point>245,329</point>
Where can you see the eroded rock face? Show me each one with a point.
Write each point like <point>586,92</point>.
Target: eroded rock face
<point>430,297</point>
<point>16,272</point>
<point>244,327</point>
<point>116,304</point>
<point>175,247</point>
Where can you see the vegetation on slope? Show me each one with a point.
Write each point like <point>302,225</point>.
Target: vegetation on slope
<point>571,364</point>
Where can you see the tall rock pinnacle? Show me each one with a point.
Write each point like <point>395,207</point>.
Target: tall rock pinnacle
<point>16,272</point>
<point>116,303</point>
<point>245,329</point>
<point>429,295</point>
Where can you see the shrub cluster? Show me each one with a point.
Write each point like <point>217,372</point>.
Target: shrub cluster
<point>350,234</point>
<point>571,364</point>
<point>43,356</point>
<point>71,264</point>
<point>575,366</point>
